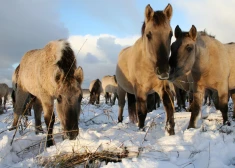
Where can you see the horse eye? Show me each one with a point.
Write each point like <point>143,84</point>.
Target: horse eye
<point>189,48</point>
<point>59,99</point>
<point>149,35</point>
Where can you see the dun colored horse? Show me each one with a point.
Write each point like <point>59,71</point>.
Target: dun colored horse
<point>143,68</point>
<point>47,74</point>
<point>110,86</point>
<point>211,66</point>
<point>95,89</point>
<point>4,91</point>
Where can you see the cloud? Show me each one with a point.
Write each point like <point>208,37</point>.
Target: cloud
<point>216,16</point>
<point>98,56</point>
<point>91,59</point>
<point>26,25</point>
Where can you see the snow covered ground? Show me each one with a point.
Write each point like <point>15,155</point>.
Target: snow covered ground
<point>211,145</point>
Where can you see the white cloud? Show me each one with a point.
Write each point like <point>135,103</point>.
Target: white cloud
<point>98,56</point>
<point>216,16</point>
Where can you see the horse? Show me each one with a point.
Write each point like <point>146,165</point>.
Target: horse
<point>211,65</point>
<point>47,74</point>
<point>4,91</point>
<point>110,86</point>
<point>95,89</point>
<point>143,69</point>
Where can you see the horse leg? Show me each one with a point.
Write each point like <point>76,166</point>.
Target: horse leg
<point>106,97</point>
<point>232,93</point>
<point>132,107</point>
<point>114,98</point>
<point>121,103</point>
<point>178,98</point>
<point>195,107</point>
<point>157,99</point>
<point>20,99</point>
<point>1,101</point>
<point>49,118</point>
<point>151,103</point>
<point>5,101</point>
<point>141,106</point>
<point>37,107</point>
<point>183,98</point>
<point>168,103</point>
<point>223,104</point>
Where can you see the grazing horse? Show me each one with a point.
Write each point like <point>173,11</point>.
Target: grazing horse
<point>143,68</point>
<point>4,91</point>
<point>110,86</point>
<point>47,74</point>
<point>95,89</point>
<point>211,66</point>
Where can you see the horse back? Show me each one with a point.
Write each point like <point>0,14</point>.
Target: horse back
<point>109,84</point>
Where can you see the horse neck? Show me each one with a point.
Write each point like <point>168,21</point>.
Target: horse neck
<point>140,49</point>
<point>202,57</point>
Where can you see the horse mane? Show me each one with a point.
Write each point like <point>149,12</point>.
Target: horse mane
<point>67,61</point>
<point>204,33</point>
<point>96,86</point>
<point>200,33</point>
<point>159,19</point>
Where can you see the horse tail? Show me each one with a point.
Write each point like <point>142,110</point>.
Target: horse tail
<point>132,108</point>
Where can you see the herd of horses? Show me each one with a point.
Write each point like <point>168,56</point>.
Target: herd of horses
<point>194,64</point>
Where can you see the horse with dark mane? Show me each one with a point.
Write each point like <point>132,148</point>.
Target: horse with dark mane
<point>143,68</point>
<point>95,89</point>
<point>47,74</point>
<point>211,64</point>
<point>4,90</point>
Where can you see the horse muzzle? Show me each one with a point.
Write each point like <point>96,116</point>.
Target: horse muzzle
<point>71,135</point>
<point>162,76</point>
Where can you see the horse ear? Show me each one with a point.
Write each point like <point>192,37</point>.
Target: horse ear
<point>178,31</point>
<point>168,11</point>
<point>58,75</point>
<point>149,12</point>
<point>193,32</point>
<point>78,74</point>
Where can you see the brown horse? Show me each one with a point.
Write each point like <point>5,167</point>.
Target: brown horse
<point>47,74</point>
<point>110,86</point>
<point>95,89</point>
<point>4,91</point>
<point>211,66</point>
<point>142,68</point>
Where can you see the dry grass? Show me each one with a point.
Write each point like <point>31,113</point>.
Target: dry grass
<point>93,159</point>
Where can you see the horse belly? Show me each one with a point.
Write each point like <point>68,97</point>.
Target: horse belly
<point>123,80</point>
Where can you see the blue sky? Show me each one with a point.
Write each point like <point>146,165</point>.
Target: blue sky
<point>110,17</point>
<point>107,25</point>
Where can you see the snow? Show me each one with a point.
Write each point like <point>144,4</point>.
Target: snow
<point>210,145</point>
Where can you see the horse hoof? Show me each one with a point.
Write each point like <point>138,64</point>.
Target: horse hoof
<point>227,123</point>
<point>142,129</point>
<point>12,128</point>
<point>50,143</point>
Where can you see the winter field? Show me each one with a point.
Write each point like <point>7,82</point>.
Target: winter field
<point>211,145</point>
